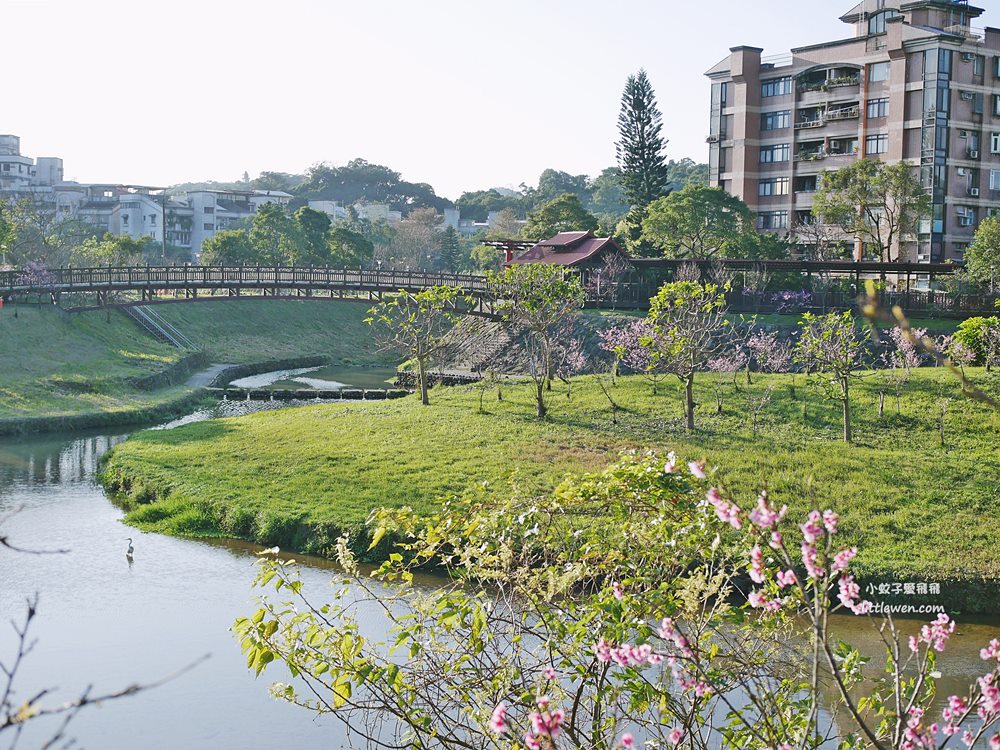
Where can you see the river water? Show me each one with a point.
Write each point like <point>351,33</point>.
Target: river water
<point>107,622</point>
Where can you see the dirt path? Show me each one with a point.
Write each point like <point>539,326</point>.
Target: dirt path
<point>204,378</point>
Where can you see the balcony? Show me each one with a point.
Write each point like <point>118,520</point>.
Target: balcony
<point>830,84</point>
<point>804,124</point>
<point>844,113</point>
<point>811,155</point>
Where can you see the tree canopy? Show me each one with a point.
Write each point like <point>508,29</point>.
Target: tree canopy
<point>698,222</point>
<point>983,256</point>
<point>640,147</point>
<point>562,214</point>
<point>878,204</point>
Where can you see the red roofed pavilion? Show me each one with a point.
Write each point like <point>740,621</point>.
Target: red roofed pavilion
<point>580,250</point>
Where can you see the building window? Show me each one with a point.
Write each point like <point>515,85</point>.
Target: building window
<point>966,216</point>
<point>776,86</point>
<point>209,209</point>
<point>878,108</point>
<point>977,103</point>
<point>773,186</point>
<point>978,63</point>
<point>775,120</point>
<point>995,179</point>
<point>152,219</point>
<point>878,72</point>
<point>772,220</point>
<point>995,143</point>
<point>996,105</point>
<point>877,144</point>
<point>770,154</point>
<point>876,24</point>
<point>209,227</point>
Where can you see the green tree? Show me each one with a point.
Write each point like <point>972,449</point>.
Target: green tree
<point>7,234</point>
<point>273,236</point>
<point>686,172</point>
<point>879,204</point>
<point>698,222</point>
<point>553,183</point>
<point>607,197</point>
<point>640,147</point>
<point>230,247</point>
<point>563,214</point>
<point>535,300</point>
<point>348,248</point>
<point>449,250</point>
<point>477,205</point>
<point>120,250</point>
<point>416,326</point>
<point>831,345</point>
<point>311,231</point>
<point>505,226</point>
<point>688,321</point>
<point>983,256</point>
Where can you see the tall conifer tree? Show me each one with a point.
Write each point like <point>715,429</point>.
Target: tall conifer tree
<point>641,147</point>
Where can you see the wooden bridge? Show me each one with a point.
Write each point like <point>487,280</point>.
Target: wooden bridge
<point>143,285</point>
<point>126,286</point>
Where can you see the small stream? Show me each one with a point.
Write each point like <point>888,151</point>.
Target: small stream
<point>106,621</point>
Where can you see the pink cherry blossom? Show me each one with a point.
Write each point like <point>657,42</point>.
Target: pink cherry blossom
<point>992,651</point>
<point>549,673</point>
<point>786,578</point>
<point>697,469</point>
<point>809,559</point>
<point>764,515</point>
<point>830,521</point>
<point>812,528</point>
<point>675,736</point>
<point>627,740</point>
<point>776,540</point>
<point>530,742</point>
<point>616,589</point>
<point>498,722</point>
<point>671,466</point>
<point>756,564</point>
<point>850,596</point>
<point>843,558</point>
<point>995,742</point>
<point>666,630</point>
<point>938,632</point>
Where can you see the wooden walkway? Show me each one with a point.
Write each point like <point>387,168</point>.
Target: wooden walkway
<point>142,285</point>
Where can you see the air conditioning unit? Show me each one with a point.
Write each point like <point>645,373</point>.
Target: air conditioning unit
<point>968,56</point>
<point>967,96</point>
<point>962,171</point>
<point>973,154</point>
<point>963,133</point>
<point>974,192</point>
<point>712,139</point>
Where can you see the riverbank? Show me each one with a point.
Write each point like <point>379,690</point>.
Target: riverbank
<point>300,477</point>
<point>98,369</point>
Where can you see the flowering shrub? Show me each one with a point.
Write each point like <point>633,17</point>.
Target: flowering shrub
<point>642,605</point>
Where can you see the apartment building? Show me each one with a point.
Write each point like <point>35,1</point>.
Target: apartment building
<point>917,82</point>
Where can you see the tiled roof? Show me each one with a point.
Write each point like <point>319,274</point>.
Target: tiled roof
<point>568,249</point>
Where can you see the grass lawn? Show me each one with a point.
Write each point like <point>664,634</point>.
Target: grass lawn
<point>254,330</point>
<point>53,363</point>
<point>299,476</point>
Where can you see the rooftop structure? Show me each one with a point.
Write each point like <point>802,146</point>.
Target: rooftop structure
<point>572,249</point>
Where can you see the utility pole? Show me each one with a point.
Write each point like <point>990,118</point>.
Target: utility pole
<point>163,226</point>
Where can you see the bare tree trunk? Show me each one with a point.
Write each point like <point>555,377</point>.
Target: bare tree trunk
<point>689,400</point>
<point>881,404</point>
<point>846,402</point>
<point>422,377</point>
<point>540,409</point>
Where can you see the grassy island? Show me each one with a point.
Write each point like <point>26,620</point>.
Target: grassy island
<point>299,477</point>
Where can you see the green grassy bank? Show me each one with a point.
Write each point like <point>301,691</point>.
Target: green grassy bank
<point>69,371</point>
<point>251,330</point>
<point>299,477</point>
<point>57,366</point>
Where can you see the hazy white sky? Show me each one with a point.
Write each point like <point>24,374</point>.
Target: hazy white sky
<point>463,94</point>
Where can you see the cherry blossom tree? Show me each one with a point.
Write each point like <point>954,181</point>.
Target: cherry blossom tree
<point>831,345</point>
<point>552,631</point>
<point>690,329</point>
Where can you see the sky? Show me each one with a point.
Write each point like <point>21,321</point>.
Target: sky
<point>461,94</point>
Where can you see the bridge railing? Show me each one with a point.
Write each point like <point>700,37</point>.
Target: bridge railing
<point>167,277</point>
